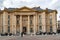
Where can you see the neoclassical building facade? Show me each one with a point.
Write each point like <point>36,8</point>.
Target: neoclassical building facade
<point>28,20</point>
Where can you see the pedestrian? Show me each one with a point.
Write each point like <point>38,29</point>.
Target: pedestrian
<point>21,34</point>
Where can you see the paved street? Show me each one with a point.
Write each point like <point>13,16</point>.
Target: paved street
<point>29,37</point>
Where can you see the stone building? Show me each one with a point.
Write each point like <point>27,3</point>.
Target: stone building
<point>58,30</point>
<point>29,20</point>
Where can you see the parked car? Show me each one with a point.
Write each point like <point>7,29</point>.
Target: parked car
<point>10,34</point>
<point>6,34</point>
<point>44,33</point>
<point>39,33</point>
<point>2,34</point>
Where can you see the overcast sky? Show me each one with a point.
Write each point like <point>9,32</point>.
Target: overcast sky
<point>51,4</point>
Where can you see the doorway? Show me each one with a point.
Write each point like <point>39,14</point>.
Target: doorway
<point>24,30</point>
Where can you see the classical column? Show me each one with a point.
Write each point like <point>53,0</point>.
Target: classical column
<point>54,22</point>
<point>14,24</point>
<point>20,23</point>
<point>4,22</point>
<point>43,22</point>
<point>28,24</point>
<point>34,25</point>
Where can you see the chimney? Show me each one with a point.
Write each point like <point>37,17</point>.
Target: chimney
<point>46,8</point>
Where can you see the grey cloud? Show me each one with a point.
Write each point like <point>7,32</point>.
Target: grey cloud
<point>1,3</point>
<point>57,5</point>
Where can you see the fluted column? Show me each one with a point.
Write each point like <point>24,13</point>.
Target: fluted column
<point>11,23</point>
<point>14,24</point>
<point>43,22</point>
<point>28,24</point>
<point>34,24</point>
<point>4,22</point>
<point>54,22</point>
<point>20,23</point>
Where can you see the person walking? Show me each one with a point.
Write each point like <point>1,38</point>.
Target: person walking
<point>22,34</point>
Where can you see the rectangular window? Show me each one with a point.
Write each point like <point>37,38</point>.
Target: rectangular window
<point>50,20</point>
<point>31,30</point>
<point>40,19</point>
<point>40,28</point>
<point>31,20</point>
<point>8,29</point>
<point>51,29</point>
<point>40,23</point>
<point>17,19</point>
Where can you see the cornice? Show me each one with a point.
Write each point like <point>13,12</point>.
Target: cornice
<point>32,10</point>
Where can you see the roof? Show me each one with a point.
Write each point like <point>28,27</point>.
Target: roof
<point>11,8</point>
<point>33,9</point>
<point>37,8</point>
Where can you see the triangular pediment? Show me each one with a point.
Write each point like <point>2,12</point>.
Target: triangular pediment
<point>25,9</point>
